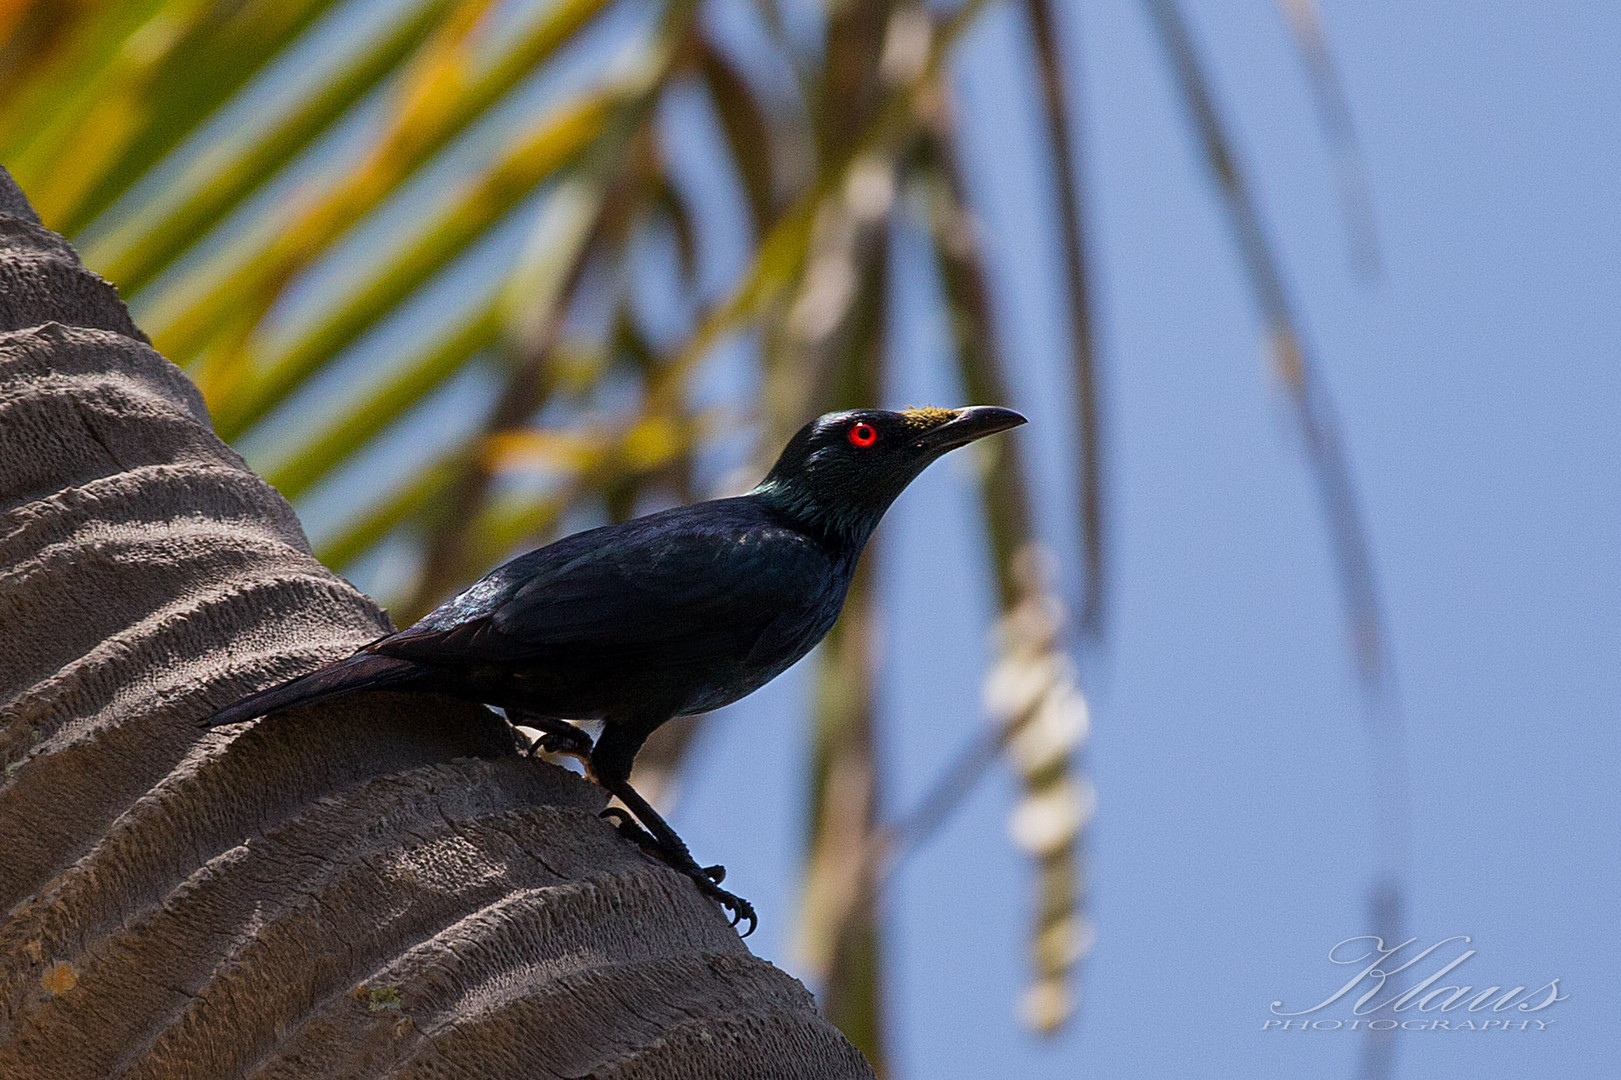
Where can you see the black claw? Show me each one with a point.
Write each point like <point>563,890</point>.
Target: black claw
<point>556,736</point>
<point>573,745</point>
<point>737,907</point>
<point>716,873</point>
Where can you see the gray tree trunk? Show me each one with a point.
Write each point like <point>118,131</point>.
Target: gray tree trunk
<point>380,887</point>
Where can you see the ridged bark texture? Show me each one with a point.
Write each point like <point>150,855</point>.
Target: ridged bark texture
<point>378,887</point>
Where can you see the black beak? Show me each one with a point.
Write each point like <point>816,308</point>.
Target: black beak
<point>974,422</point>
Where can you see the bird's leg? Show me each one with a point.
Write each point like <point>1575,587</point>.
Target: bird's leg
<point>628,827</point>
<point>656,837</point>
<point>557,736</point>
<point>610,765</point>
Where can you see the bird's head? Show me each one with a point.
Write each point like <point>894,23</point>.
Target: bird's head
<point>842,470</point>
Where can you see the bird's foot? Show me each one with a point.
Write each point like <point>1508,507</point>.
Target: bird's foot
<point>739,908</point>
<point>628,827</point>
<point>576,743</point>
<point>571,742</point>
<point>707,878</point>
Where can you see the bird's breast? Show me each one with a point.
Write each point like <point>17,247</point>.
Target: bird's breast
<point>784,642</point>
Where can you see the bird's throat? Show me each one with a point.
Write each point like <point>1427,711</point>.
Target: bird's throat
<point>846,526</point>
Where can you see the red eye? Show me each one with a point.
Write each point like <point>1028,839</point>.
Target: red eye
<point>863,435</point>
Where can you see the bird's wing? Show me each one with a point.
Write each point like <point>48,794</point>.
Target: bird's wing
<point>686,588</point>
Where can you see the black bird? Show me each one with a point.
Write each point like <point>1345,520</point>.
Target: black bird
<point>675,613</point>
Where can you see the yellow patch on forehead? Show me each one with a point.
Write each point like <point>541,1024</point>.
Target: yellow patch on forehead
<point>927,416</point>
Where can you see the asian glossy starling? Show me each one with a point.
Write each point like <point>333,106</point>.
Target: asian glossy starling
<point>675,613</point>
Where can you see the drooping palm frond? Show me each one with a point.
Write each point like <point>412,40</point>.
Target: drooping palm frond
<point>1318,427</point>
<point>1334,115</point>
<point>1058,94</point>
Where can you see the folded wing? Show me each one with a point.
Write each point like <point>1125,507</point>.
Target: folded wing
<point>682,586</point>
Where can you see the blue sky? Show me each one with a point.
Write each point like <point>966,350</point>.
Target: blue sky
<point>1478,391</point>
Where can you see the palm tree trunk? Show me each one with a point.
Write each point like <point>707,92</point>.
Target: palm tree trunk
<point>377,886</point>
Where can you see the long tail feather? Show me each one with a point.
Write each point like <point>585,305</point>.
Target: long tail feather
<point>363,671</point>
